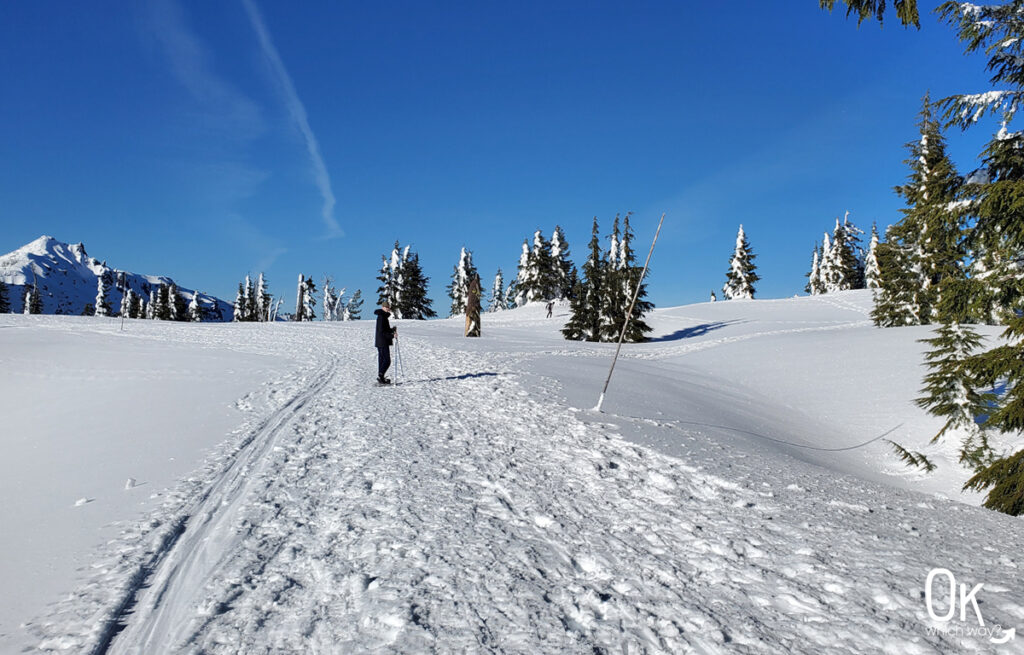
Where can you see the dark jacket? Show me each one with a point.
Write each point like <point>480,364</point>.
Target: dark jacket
<point>385,334</point>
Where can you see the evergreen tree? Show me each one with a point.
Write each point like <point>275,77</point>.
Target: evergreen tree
<point>997,238</point>
<point>928,240</point>
<point>354,308</point>
<point>846,272</point>
<point>28,302</point>
<point>585,320</point>
<point>176,304</point>
<point>103,282</point>
<point>628,277</point>
<point>195,308</point>
<point>414,301</point>
<point>906,10</point>
<point>137,307</point>
<point>544,271</point>
<point>331,300</point>
<point>5,299</point>
<point>126,300</point>
<point>523,283</point>
<point>561,264</point>
<point>263,298</point>
<point>36,306</point>
<point>151,308</point>
<point>896,299</point>
<point>497,300</point>
<point>511,293</point>
<point>829,272</point>
<point>162,311</point>
<point>300,300</point>
<point>238,314</point>
<point>871,271</point>
<point>741,276</point>
<point>307,308</point>
<point>88,310</point>
<point>950,390</point>
<point>613,296</point>
<point>999,227</point>
<point>853,235</point>
<point>458,289</point>
<point>392,278</point>
<point>815,286</point>
<point>251,310</point>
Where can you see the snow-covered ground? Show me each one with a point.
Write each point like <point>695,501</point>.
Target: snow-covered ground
<point>715,506</point>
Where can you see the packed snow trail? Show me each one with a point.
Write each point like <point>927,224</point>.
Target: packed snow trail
<point>460,512</point>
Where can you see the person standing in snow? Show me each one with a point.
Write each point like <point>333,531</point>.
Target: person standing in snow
<point>384,336</point>
<point>551,305</point>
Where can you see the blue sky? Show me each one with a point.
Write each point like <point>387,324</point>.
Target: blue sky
<point>205,140</point>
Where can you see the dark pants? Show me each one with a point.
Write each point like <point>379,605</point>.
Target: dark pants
<point>383,360</point>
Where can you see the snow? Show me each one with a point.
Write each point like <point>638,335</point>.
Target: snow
<point>67,277</point>
<point>480,505</point>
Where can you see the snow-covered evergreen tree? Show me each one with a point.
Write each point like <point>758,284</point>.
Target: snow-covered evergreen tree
<point>126,301</point>
<point>415,304</point>
<point>997,239</point>
<point>354,307</point>
<point>815,285</point>
<point>300,300</point>
<point>195,308</point>
<point>929,236</point>
<point>458,288</point>
<point>951,384</point>
<point>331,300</point>
<point>163,299</point>
<point>997,30</point>
<point>250,301</point>
<point>626,277</point>
<point>562,267</point>
<point>586,305</point>
<point>30,300</point>
<point>176,304</point>
<point>152,305</point>
<point>137,309</point>
<point>613,292</point>
<point>741,276</point>
<point>5,298</point>
<point>306,308</point>
<point>871,271</point>
<point>102,304</point>
<point>238,314</point>
<point>847,271</point>
<point>896,299</point>
<point>523,283</point>
<point>496,302</point>
<point>544,272</point>
<point>263,298</point>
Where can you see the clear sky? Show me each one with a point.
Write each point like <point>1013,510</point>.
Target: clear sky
<point>205,140</point>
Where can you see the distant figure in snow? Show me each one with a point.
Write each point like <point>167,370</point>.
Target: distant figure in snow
<point>713,298</point>
<point>473,307</point>
<point>551,305</point>
<point>383,338</point>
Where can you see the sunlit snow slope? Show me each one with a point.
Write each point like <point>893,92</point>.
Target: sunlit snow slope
<point>481,505</point>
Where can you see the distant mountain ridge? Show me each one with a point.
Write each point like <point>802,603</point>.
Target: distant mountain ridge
<point>66,277</point>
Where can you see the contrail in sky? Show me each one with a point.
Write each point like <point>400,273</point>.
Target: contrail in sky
<point>298,114</point>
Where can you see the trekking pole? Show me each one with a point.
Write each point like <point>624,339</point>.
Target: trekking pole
<point>629,314</point>
<point>398,360</point>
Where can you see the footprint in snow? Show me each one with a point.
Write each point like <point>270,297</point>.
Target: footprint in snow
<point>83,501</point>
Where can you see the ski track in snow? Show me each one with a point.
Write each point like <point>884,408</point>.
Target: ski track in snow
<point>458,512</point>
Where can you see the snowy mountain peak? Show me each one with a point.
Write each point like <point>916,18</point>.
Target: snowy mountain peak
<point>66,277</point>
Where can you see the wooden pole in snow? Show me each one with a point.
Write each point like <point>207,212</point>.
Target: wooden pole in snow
<point>629,314</point>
